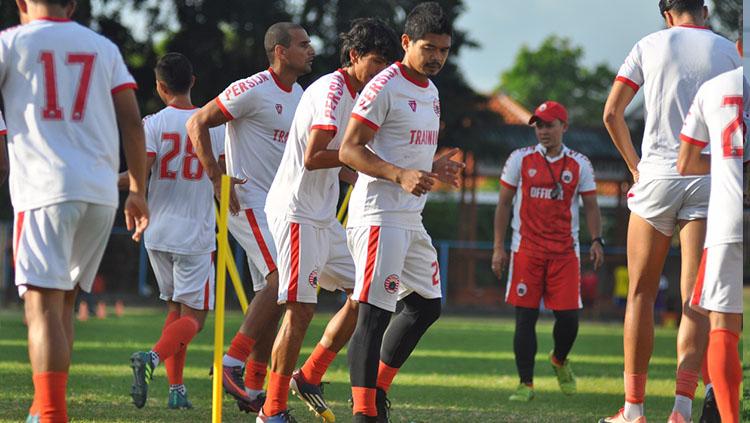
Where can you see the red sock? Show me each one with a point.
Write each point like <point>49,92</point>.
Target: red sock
<point>687,381</point>
<point>176,337</point>
<point>635,388</point>
<point>317,364</point>
<point>169,364</point>
<point>726,372</point>
<point>49,396</point>
<point>386,374</point>
<point>704,370</point>
<point>278,393</point>
<point>255,375</point>
<point>241,347</point>
<point>364,401</point>
<point>175,366</point>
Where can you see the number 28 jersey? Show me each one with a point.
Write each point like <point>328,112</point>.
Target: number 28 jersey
<point>180,195</point>
<point>57,79</point>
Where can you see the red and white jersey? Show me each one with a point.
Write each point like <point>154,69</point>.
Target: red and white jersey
<point>543,225</point>
<point>671,65</point>
<point>57,78</point>
<point>716,119</point>
<point>406,115</point>
<point>180,195</point>
<point>3,129</point>
<point>310,196</point>
<point>260,110</point>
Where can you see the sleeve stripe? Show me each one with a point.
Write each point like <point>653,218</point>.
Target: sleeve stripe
<point>628,82</point>
<point>150,154</point>
<point>507,185</point>
<point>693,141</point>
<point>366,121</point>
<point>592,192</point>
<point>331,128</point>
<point>125,86</point>
<point>224,109</point>
<point>4,132</point>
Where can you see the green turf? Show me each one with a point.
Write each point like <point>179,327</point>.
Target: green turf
<point>462,371</point>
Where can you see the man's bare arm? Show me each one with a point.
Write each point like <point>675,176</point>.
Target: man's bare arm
<point>614,119</point>
<point>691,161</point>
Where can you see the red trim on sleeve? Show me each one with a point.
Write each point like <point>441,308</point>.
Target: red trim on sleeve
<point>348,82</point>
<point>406,76</point>
<point>507,185</point>
<point>693,141</point>
<point>628,82</point>
<point>592,192</point>
<point>331,128</point>
<point>125,86</point>
<point>278,82</point>
<point>150,154</point>
<point>223,109</point>
<point>4,132</point>
<point>365,121</point>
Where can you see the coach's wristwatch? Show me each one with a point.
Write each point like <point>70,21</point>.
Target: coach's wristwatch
<point>599,239</point>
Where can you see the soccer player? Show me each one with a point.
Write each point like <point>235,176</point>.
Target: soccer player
<point>542,184</point>
<point>670,65</point>
<point>258,111</point>
<point>301,207</point>
<point>180,240</point>
<point>391,140</point>
<point>66,91</point>
<point>716,120</point>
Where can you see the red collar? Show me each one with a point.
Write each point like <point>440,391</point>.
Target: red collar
<point>52,19</point>
<point>420,84</point>
<point>182,108</point>
<point>348,82</point>
<point>278,82</point>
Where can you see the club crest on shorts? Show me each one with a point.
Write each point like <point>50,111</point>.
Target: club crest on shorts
<point>532,172</point>
<point>521,289</point>
<point>313,279</point>
<point>391,284</point>
<point>436,106</point>
<point>567,176</point>
<point>279,108</point>
<point>413,105</point>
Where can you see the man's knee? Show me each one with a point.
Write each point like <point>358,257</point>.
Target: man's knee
<point>427,311</point>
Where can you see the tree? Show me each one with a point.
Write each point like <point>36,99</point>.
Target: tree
<point>554,72</point>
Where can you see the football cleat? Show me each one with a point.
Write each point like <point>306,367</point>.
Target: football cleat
<point>710,412</point>
<point>676,417</point>
<point>383,405</point>
<point>524,393</point>
<point>178,401</point>
<point>620,418</point>
<point>143,373</point>
<point>283,417</point>
<point>312,395</point>
<point>565,377</point>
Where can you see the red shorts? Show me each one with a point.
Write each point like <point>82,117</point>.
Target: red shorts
<point>557,280</point>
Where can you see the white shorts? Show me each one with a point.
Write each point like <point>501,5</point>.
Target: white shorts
<point>392,263</point>
<point>719,283</point>
<point>185,279</point>
<point>250,229</point>
<point>310,256</point>
<point>61,245</point>
<point>663,202</point>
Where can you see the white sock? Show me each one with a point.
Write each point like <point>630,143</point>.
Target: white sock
<point>230,361</point>
<point>179,388</point>
<point>154,358</point>
<point>632,411</point>
<point>684,406</point>
<point>253,393</point>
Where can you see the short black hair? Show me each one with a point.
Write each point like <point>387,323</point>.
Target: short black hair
<point>175,71</point>
<point>427,18</point>
<point>369,35</point>
<point>681,6</point>
<point>278,34</point>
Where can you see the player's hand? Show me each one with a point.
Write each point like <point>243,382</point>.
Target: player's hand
<point>448,170</point>
<point>597,254</point>
<point>234,203</point>
<point>499,261</point>
<point>136,215</point>
<point>416,182</point>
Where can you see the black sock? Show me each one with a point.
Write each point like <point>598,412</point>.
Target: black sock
<point>524,342</point>
<point>564,333</point>
<point>407,328</point>
<point>364,346</point>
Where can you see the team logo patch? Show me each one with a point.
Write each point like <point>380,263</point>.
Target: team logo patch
<point>279,108</point>
<point>532,172</point>
<point>521,289</point>
<point>567,176</point>
<point>391,284</point>
<point>436,106</point>
<point>313,279</point>
<point>413,105</point>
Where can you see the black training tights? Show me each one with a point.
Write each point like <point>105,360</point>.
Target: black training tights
<point>524,340</point>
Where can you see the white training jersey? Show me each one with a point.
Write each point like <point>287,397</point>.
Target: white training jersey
<point>310,196</point>
<point>180,194</point>
<point>671,65</point>
<point>3,129</point>
<point>260,110</point>
<point>57,78</point>
<point>716,119</point>
<point>406,115</point>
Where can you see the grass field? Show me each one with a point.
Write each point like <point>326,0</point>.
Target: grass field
<point>463,371</point>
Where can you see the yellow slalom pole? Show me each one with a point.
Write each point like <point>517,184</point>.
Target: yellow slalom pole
<point>234,275</point>
<point>345,205</point>
<point>221,279</point>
